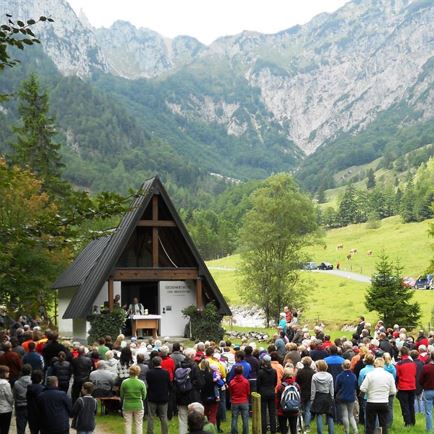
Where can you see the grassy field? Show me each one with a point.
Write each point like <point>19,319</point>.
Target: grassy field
<point>337,301</point>
<point>408,243</point>
<point>114,424</point>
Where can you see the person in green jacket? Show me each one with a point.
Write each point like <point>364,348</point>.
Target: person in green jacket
<point>133,394</point>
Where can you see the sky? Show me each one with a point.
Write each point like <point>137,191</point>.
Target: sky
<point>206,20</point>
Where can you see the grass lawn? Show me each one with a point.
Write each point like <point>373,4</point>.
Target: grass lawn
<point>409,243</point>
<point>114,424</point>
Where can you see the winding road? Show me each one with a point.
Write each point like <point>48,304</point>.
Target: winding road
<point>346,274</point>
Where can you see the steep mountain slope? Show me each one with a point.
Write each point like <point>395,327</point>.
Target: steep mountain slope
<point>105,146</point>
<point>252,104</point>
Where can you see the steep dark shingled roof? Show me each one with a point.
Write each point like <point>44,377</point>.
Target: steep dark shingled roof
<point>78,271</point>
<point>93,266</point>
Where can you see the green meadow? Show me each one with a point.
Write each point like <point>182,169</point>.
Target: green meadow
<point>335,300</point>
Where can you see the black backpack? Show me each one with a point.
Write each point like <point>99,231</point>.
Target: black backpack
<point>183,380</point>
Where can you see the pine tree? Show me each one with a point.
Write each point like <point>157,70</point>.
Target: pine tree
<point>407,206</point>
<point>390,298</point>
<point>348,207</point>
<point>35,147</point>
<point>371,182</point>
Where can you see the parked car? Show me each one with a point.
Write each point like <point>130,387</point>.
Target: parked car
<point>409,282</point>
<point>325,266</point>
<point>423,282</point>
<point>311,266</point>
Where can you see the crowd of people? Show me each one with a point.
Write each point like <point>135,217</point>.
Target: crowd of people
<point>53,385</point>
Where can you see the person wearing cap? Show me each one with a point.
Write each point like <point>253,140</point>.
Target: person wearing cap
<point>266,384</point>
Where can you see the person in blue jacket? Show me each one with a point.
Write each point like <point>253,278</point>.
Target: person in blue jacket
<point>239,360</point>
<point>346,395</point>
<point>55,409</point>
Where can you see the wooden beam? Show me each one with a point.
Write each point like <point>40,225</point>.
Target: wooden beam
<point>155,253</point>
<point>155,249</point>
<point>157,223</point>
<point>110,293</point>
<point>134,274</point>
<point>199,294</point>
<point>155,207</point>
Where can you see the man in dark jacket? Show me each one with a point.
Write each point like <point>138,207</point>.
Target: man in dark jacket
<point>304,380</point>
<point>385,345</point>
<point>52,348</point>
<point>55,409</point>
<point>184,398</point>
<point>33,392</point>
<point>81,369</point>
<point>20,397</point>
<point>266,384</point>
<point>158,381</point>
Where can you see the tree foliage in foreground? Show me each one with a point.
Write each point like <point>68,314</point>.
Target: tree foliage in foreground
<point>32,243</point>
<point>280,223</point>
<point>389,297</point>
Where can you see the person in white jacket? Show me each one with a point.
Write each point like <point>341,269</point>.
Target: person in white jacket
<point>6,400</point>
<point>378,386</point>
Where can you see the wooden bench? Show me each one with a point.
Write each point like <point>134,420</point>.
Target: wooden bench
<point>109,404</point>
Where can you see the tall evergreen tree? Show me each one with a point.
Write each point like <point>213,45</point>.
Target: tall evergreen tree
<point>348,207</point>
<point>35,146</point>
<point>390,298</point>
<point>407,206</point>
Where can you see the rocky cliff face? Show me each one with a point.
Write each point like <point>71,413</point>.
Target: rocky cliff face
<point>143,53</point>
<point>310,83</point>
<point>70,44</point>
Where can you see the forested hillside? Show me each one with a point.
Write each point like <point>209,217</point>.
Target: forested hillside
<point>105,145</point>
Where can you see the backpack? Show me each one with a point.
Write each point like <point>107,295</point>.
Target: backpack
<point>290,400</point>
<point>183,380</point>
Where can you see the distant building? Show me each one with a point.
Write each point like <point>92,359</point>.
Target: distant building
<point>150,256</point>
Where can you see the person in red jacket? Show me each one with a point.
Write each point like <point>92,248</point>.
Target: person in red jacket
<point>426,380</point>
<point>239,388</point>
<point>421,340</point>
<point>286,418</point>
<point>406,383</point>
<point>13,361</point>
<point>167,362</point>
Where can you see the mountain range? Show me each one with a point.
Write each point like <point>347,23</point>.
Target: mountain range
<point>341,90</point>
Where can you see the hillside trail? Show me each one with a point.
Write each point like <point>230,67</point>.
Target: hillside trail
<point>347,274</point>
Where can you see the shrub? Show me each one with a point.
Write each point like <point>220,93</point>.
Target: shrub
<point>106,323</point>
<point>205,324</point>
